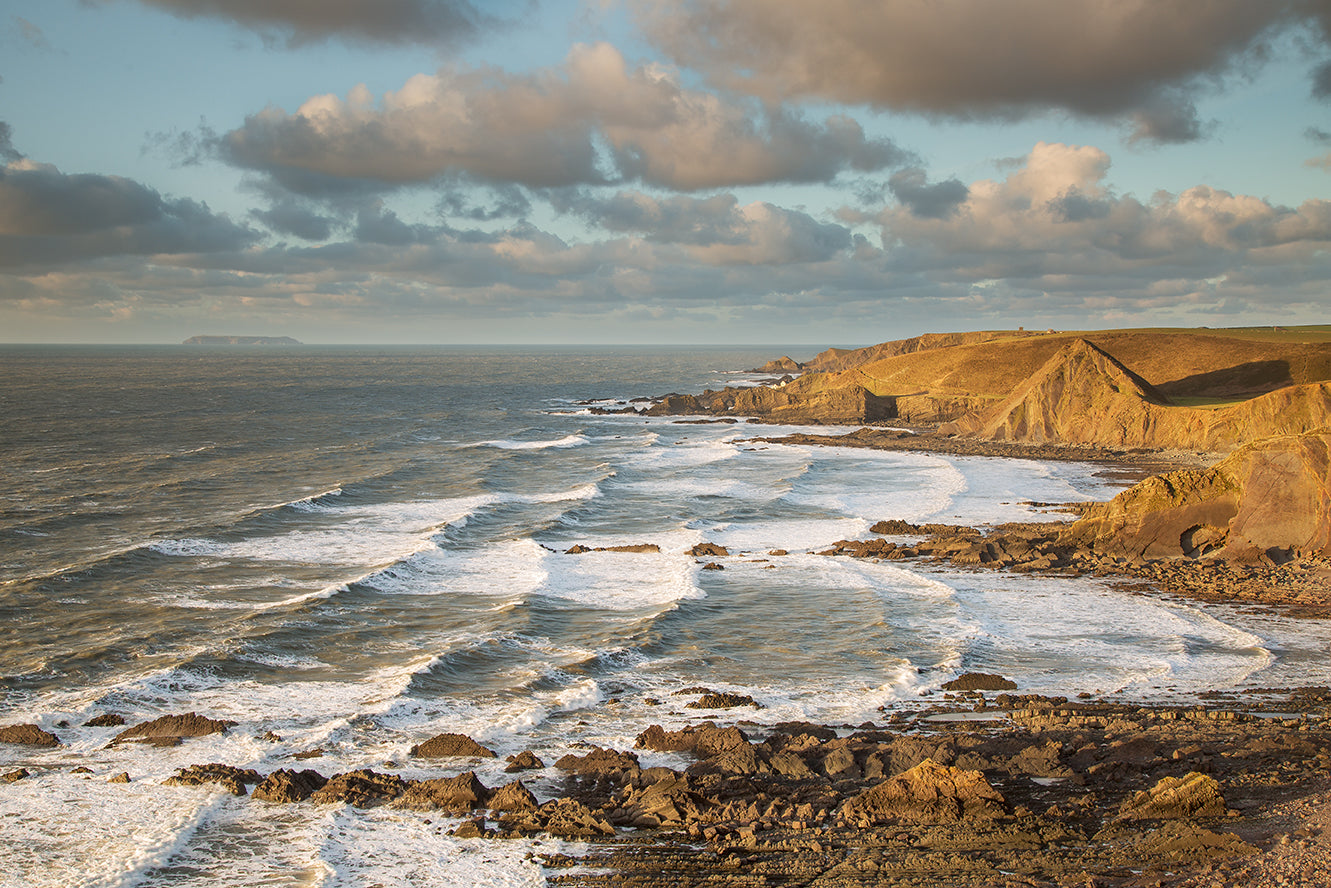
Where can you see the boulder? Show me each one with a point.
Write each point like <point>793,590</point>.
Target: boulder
<point>708,550</point>
<point>28,735</point>
<point>927,793</point>
<point>450,746</point>
<point>15,775</point>
<point>170,729</point>
<point>105,720</point>
<point>286,785</point>
<point>461,793</point>
<point>1177,798</point>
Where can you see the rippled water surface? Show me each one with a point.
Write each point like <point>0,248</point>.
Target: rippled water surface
<point>358,548</point>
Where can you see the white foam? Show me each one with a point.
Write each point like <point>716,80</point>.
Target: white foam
<point>621,580</point>
<point>575,440</point>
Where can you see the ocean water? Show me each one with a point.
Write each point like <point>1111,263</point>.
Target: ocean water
<point>356,549</point>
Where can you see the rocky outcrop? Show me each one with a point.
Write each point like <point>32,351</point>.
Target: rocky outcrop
<point>1177,798</point>
<point>28,735</point>
<point>1268,499</point>
<point>980,681</point>
<point>232,779</point>
<point>807,400</point>
<point>927,793</point>
<point>461,793</point>
<point>363,789</point>
<point>450,746</point>
<point>169,730</point>
<point>285,786</point>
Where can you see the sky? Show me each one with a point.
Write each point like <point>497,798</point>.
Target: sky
<point>829,172</point>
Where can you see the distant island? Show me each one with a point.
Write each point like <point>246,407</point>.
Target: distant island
<point>242,340</point>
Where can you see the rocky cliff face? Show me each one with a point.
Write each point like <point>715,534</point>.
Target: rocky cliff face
<point>801,403</point>
<point>1082,395</point>
<point>1270,499</point>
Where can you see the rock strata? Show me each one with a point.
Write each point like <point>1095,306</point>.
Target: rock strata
<point>927,793</point>
<point>286,786</point>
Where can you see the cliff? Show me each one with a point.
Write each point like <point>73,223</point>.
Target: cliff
<point>1084,396</point>
<point>1268,500</point>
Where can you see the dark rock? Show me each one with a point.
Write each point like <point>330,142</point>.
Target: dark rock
<point>105,720</point>
<point>122,777</point>
<point>233,780</point>
<point>461,793</point>
<point>524,761</point>
<point>980,681</point>
<point>669,801</point>
<point>15,775</point>
<point>599,761</point>
<point>286,785</point>
<point>170,729</point>
<point>28,735</point>
<point>364,789</point>
<point>512,797</point>
<point>712,565</point>
<point>704,740</point>
<point>564,818</point>
<point>895,527</point>
<point>450,746</point>
<point>723,701</point>
<point>709,550</point>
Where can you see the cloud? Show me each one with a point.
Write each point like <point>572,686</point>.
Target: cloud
<point>31,34</point>
<point>937,201</point>
<point>1143,63</point>
<point>7,152</point>
<point>545,129</point>
<point>48,216</point>
<point>372,21</point>
<point>289,216</point>
<point>1054,216</point>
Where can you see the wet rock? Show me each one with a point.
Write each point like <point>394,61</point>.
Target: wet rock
<point>461,793</point>
<point>708,550</point>
<point>895,527</point>
<point>704,740</point>
<point>286,785</point>
<point>670,800</point>
<point>14,776</point>
<point>723,701</point>
<point>564,818</point>
<point>524,761</point>
<point>1175,798</point>
<point>450,746</point>
<point>599,762</point>
<point>927,793</point>
<point>1188,843</point>
<point>28,735</point>
<point>713,565</point>
<point>980,681</point>
<point>233,780</point>
<point>512,797</point>
<point>631,548</point>
<point>122,777</point>
<point>308,754</point>
<point>105,720</point>
<point>363,789</point>
<point>169,730</point>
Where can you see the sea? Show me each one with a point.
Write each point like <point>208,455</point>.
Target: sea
<point>353,549</point>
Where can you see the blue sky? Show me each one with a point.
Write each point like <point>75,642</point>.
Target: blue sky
<point>636,171</point>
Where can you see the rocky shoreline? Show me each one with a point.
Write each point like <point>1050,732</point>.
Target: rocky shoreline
<point>976,788</point>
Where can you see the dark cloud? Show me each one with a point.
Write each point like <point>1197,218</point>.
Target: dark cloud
<point>7,152</point>
<point>377,225</point>
<point>1139,62</point>
<point>506,202</point>
<point>430,22</point>
<point>1321,82</point>
<point>936,201</point>
<point>289,216</point>
<point>546,130</point>
<point>49,216</point>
